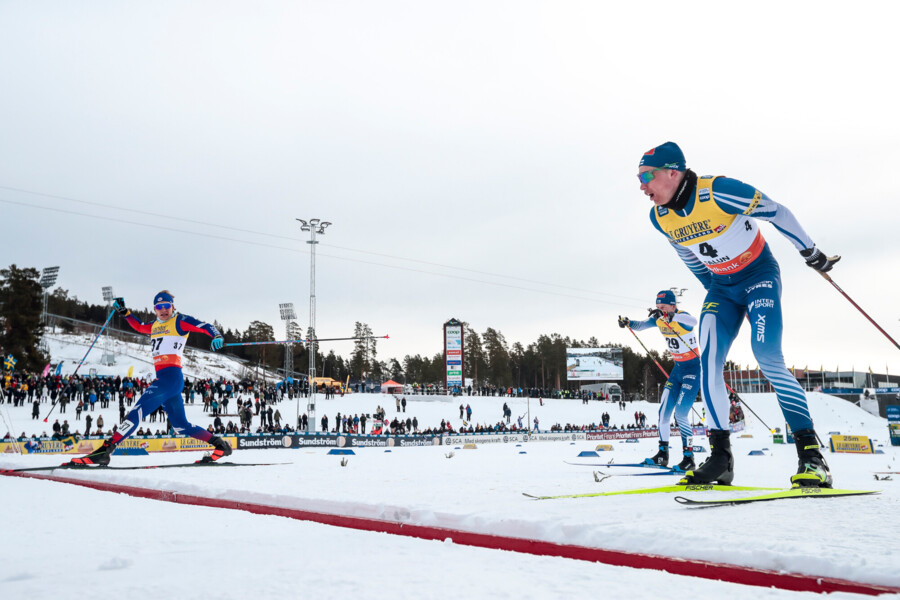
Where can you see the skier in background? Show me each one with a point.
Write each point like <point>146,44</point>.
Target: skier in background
<point>168,336</point>
<point>711,223</point>
<point>682,386</point>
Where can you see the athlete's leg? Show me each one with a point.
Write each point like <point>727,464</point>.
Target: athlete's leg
<point>690,382</point>
<point>667,405</point>
<point>764,305</point>
<point>720,321</point>
<point>174,407</point>
<point>151,400</point>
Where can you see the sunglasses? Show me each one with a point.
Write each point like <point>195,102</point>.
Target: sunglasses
<point>163,306</point>
<point>647,176</point>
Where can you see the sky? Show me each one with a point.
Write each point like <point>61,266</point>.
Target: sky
<point>477,159</point>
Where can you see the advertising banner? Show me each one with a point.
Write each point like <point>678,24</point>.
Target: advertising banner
<point>852,444</point>
<point>85,446</point>
<point>594,364</point>
<point>453,354</point>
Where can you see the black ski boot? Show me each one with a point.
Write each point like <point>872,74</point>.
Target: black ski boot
<point>719,467</point>
<point>661,458</point>
<point>99,457</point>
<point>687,463</point>
<point>813,470</point>
<point>222,448</point>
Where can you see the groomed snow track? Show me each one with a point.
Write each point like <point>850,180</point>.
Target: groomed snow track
<point>677,566</point>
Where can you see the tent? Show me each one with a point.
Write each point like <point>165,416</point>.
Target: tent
<point>391,387</point>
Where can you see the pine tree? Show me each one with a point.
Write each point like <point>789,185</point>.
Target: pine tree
<point>20,317</point>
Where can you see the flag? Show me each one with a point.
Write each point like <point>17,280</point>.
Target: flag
<point>130,370</point>
<point>10,362</point>
<point>46,370</point>
<point>59,368</point>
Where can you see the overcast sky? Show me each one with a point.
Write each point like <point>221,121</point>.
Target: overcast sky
<point>477,159</point>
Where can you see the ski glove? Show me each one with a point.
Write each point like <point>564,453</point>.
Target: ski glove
<point>624,322</point>
<point>655,313</point>
<point>817,260</point>
<point>119,306</point>
<point>217,343</point>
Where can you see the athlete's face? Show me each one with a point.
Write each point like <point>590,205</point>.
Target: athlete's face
<point>661,188</point>
<point>669,309</point>
<point>164,310</point>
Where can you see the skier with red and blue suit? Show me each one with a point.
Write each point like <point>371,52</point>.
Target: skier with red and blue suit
<point>711,223</point>
<point>168,337</point>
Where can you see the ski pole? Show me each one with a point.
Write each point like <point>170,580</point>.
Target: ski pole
<point>368,337</point>
<point>730,389</point>
<point>849,299</point>
<point>97,337</point>
<point>659,365</point>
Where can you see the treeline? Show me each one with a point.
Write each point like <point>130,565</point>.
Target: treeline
<point>489,358</point>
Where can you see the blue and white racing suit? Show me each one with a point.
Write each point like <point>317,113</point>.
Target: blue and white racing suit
<point>717,237</point>
<point>684,380</point>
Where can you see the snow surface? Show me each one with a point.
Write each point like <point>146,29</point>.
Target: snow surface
<point>63,539</point>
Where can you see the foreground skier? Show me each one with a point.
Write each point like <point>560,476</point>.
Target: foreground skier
<point>168,336</point>
<point>678,327</point>
<point>707,220</point>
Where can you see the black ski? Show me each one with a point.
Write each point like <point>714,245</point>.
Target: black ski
<point>797,492</point>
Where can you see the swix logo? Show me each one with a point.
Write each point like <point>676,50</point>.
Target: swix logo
<point>760,327</point>
<point>712,307</point>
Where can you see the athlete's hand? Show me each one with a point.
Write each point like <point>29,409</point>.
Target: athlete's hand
<point>655,313</point>
<point>817,260</point>
<point>217,343</point>
<point>119,307</point>
<point>624,322</point>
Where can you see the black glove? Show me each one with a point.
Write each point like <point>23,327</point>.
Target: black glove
<point>624,322</point>
<point>119,306</point>
<point>655,313</point>
<point>817,260</point>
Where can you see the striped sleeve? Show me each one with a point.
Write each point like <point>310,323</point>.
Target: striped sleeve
<point>687,321</point>
<point>187,323</point>
<point>137,324</point>
<point>641,325</point>
<point>693,263</point>
<point>738,198</point>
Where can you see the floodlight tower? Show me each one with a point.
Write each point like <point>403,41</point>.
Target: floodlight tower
<point>313,226</point>
<point>109,357</point>
<point>287,315</point>
<point>48,280</point>
<point>678,291</point>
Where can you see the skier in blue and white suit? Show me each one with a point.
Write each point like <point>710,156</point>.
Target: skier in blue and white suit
<point>679,330</point>
<point>711,223</point>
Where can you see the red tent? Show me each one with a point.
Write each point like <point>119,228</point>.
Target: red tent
<point>391,387</point>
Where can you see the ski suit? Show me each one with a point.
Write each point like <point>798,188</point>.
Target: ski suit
<point>717,237</point>
<point>684,380</point>
<point>167,342</point>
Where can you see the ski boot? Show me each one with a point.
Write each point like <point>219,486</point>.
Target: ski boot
<point>99,457</point>
<point>222,448</point>
<point>719,467</point>
<point>661,458</point>
<point>813,470</point>
<point>687,463</point>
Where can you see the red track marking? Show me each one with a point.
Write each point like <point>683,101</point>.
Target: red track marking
<point>676,566</point>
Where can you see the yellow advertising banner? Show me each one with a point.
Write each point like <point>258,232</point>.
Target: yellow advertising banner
<point>83,446</point>
<point>852,444</point>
